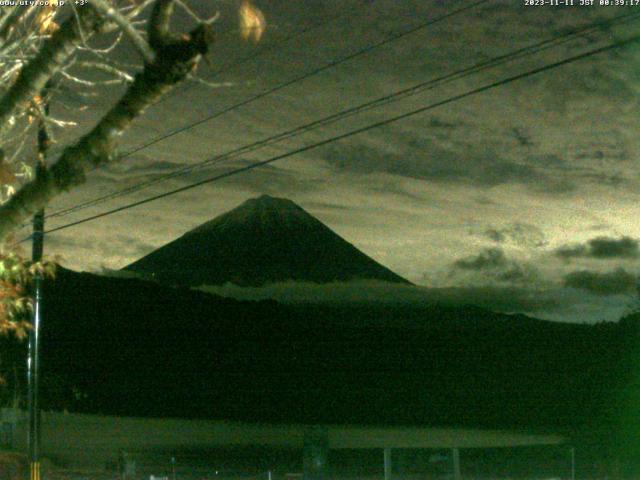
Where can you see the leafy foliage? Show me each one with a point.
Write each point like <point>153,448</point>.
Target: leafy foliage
<point>17,276</point>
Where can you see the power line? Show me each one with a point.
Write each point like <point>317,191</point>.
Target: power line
<point>357,131</point>
<point>332,64</point>
<point>260,51</point>
<point>394,97</point>
<point>270,91</point>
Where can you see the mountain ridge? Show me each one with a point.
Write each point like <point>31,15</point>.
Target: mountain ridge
<point>156,347</point>
<point>264,240</point>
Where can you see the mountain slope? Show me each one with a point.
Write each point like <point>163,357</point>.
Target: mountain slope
<point>130,347</point>
<point>264,240</point>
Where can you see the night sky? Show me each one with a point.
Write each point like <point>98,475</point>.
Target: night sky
<point>522,198</point>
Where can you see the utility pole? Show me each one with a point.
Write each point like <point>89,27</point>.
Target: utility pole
<point>315,452</point>
<point>456,464</point>
<point>388,466</point>
<point>33,363</point>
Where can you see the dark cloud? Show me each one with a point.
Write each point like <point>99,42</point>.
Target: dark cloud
<point>602,248</point>
<point>435,122</point>
<point>516,272</point>
<point>611,179</point>
<point>494,264</point>
<point>495,235</point>
<point>595,80</point>
<point>522,234</point>
<point>572,251</point>
<point>523,138</point>
<point>386,186</point>
<point>616,282</point>
<point>489,258</point>
<point>424,159</point>
<point>141,170</point>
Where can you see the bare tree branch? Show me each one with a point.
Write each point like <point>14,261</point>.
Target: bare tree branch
<point>159,33</point>
<point>10,21</point>
<point>135,9</point>
<point>140,43</point>
<point>109,68</point>
<point>194,16</point>
<point>50,59</point>
<point>175,58</point>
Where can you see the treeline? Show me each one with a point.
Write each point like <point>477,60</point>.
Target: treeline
<point>127,347</point>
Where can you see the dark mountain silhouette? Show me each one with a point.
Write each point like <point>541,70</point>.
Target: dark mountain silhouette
<point>131,347</point>
<point>264,240</point>
<point>126,346</point>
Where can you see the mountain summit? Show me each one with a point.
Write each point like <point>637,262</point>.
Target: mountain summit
<point>264,240</point>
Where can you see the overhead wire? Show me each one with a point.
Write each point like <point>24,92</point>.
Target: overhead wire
<point>332,64</point>
<point>357,131</point>
<point>268,47</point>
<point>273,46</point>
<point>339,116</point>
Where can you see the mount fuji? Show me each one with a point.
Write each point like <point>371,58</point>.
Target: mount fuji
<point>264,240</point>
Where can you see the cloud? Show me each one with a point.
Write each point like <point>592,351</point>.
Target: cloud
<point>114,248</point>
<point>502,299</point>
<point>487,259</point>
<point>522,137</point>
<point>602,248</point>
<point>521,234</point>
<point>423,158</point>
<point>616,282</point>
<point>493,263</point>
<point>560,304</point>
